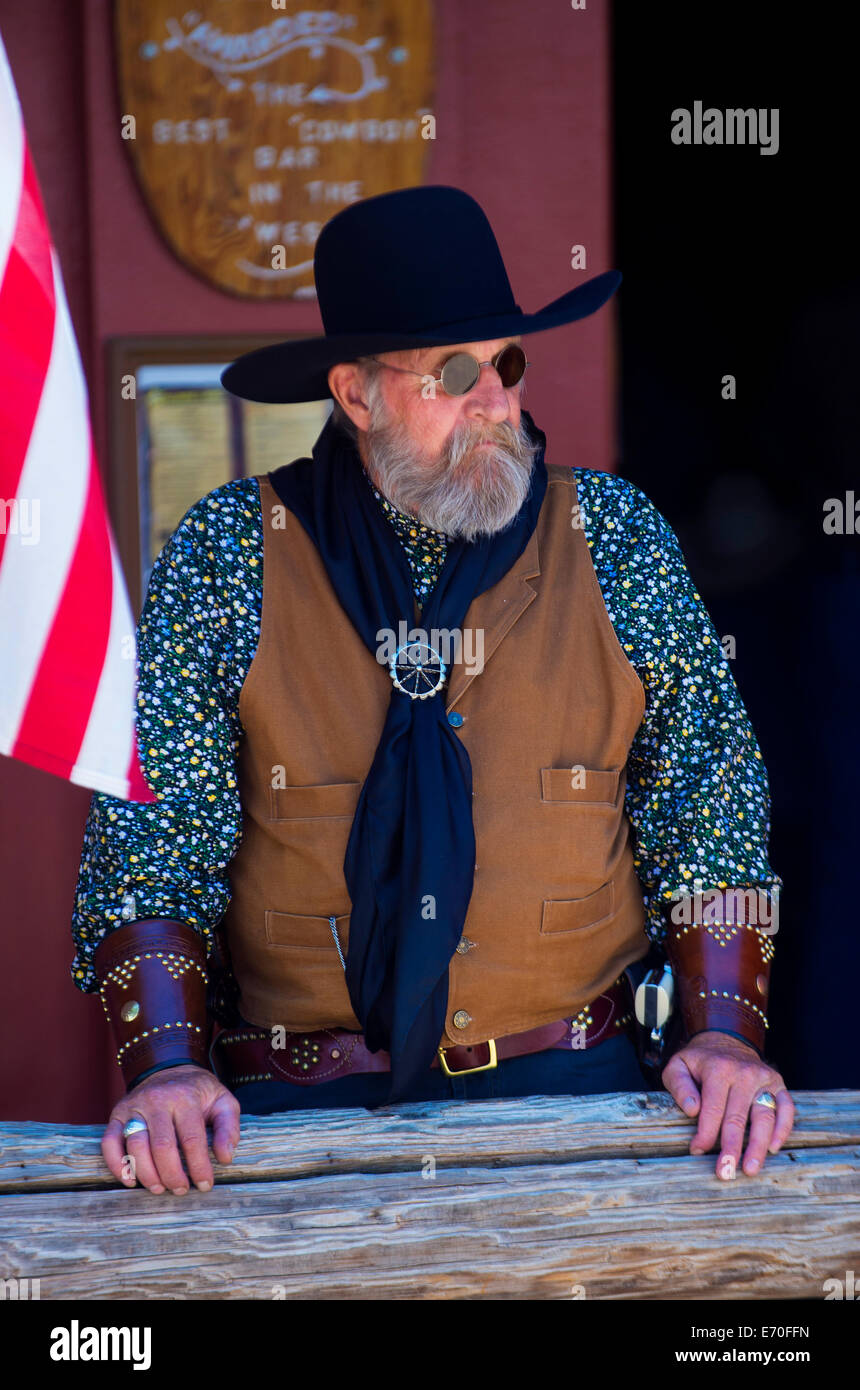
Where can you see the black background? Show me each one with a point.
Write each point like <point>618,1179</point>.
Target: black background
<point>743,263</point>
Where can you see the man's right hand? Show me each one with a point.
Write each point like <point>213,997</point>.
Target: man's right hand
<point>177,1104</point>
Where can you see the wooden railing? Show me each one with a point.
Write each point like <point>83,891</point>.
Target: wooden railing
<point>544,1197</point>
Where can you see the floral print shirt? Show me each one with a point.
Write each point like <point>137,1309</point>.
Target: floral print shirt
<point>697,794</point>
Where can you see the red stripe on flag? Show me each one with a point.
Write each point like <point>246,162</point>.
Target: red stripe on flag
<point>61,697</point>
<point>27,313</point>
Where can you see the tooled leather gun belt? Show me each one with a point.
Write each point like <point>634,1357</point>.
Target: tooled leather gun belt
<point>246,1054</point>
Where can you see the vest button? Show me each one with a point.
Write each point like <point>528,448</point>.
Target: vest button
<point>455,719</point>
<point>462,1019</point>
<point>464,945</point>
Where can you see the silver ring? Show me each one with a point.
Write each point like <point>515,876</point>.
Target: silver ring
<point>134,1126</point>
<point>766,1099</point>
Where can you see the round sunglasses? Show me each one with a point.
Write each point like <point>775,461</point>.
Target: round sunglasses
<point>460,373</point>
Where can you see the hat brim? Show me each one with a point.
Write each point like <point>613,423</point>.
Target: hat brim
<point>297,370</point>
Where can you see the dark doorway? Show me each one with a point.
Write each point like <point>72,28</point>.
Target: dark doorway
<point>743,263</point>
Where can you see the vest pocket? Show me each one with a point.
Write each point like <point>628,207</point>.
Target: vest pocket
<point>304,969</point>
<point>600,786</point>
<point>307,932</point>
<point>309,829</point>
<point>572,914</point>
<point>325,801</point>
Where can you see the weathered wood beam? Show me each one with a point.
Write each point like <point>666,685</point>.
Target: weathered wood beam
<point>528,1130</point>
<point>601,1229</point>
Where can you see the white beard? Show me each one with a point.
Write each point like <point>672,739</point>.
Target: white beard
<point>463,491</point>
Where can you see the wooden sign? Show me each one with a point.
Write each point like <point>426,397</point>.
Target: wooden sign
<point>251,122</point>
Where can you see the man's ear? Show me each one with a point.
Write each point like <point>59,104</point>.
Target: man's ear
<point>347,387</point>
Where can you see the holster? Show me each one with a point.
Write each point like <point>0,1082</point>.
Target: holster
<point>653,1054</point>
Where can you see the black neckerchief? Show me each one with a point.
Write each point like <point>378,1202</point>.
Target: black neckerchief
<point>412,842</point>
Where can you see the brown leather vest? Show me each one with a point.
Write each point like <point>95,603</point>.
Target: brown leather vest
<point>556,911</point>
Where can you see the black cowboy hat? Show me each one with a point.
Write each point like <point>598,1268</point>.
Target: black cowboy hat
<point>415,268</point>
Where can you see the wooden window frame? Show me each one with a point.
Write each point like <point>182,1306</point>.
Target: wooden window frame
<point>124,357</point>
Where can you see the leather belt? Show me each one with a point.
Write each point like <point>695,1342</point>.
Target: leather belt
<point>242,1055</point>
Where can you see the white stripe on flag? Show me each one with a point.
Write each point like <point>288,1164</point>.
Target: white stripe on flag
<point>107,743</point>
<point>11,158</point>
<point>56,475</point>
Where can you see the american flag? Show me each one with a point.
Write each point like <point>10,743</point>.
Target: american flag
<point>68,660</point>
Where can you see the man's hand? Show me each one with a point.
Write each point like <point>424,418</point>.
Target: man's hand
<point>731,1074</point>
<point>177,1104</point>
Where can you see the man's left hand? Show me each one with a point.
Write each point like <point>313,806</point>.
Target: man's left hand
<point>730,1074</point>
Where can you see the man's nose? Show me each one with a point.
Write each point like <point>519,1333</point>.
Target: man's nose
<point>488,398</point>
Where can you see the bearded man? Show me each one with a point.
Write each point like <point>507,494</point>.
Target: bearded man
<point>377,872</point>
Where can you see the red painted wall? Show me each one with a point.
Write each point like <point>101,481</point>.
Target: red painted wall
<point>522,112</point>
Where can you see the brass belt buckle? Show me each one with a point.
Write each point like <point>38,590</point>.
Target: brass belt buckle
<point>468,1071</point>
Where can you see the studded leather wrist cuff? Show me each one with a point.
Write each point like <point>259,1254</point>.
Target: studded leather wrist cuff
<point>152,978</point>
<point>722,972</point>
